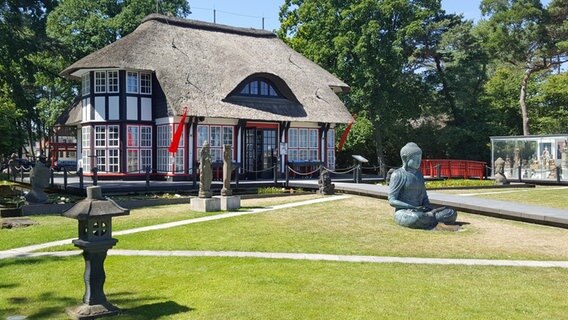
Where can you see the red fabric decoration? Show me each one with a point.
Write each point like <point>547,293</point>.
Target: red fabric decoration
<point>345,134</point>
<point>177,135</point>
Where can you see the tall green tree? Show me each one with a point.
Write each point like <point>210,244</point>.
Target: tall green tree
<point>368,44</point>
<point>527,36</point>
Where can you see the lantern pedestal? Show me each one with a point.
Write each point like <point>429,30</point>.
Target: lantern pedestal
<point>205,204</point>
<point>229,203</point>
<point>95,239</point>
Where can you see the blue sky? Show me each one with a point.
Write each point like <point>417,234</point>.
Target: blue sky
<point>249,13</point>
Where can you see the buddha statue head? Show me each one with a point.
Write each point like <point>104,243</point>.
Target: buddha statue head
<point>411,156</point>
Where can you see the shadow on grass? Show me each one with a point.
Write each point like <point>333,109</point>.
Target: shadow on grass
<point>156,310</point>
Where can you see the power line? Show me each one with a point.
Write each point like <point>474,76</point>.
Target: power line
<point>214,12</point>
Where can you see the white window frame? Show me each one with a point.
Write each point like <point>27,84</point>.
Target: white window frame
<point>113,136</point>
<point>132,82</point>
<point>145,136</point>
<point>113,163</point>
<point>100,82</point>
<point>202,134</point>
<point>100,136</point>
<point>85,84</point>
<point>132,136</point>
<point>145,80</point>
<point>132,161</point>
<point>113,85</point>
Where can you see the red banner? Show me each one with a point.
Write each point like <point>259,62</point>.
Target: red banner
<point>177,135</point>
<point>345,134</point>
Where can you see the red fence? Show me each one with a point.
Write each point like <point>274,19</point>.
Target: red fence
<point>447,168</point>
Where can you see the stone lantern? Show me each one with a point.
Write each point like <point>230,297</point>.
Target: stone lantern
<point>95,238</point>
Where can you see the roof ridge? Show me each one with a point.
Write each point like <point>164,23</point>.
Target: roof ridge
<point>208,26</point>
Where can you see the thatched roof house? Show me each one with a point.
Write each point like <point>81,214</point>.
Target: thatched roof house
<point>242,77</point>
<point>200,64</point>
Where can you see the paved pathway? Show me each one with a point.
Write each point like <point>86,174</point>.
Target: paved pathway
<point>29,250</point>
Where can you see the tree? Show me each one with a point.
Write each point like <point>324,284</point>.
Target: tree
<point>527,36</point>
<point>368,44</point>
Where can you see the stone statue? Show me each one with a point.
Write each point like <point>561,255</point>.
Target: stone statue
<point>13,164</point>
<point>227,169</point>
<point>39,179</point>
<point>545,157</point>
<point>325,185</point>
<point>205,172</point>
<point>564,151</point>
<point>500,177</point>
<point>407,194</point>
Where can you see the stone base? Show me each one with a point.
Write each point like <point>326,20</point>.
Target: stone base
<point>205,204</point>
<point>229,203</point>
<point>86,311</point>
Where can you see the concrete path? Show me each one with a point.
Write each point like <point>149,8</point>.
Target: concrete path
<point>496,208</point>
<point>314,257</point>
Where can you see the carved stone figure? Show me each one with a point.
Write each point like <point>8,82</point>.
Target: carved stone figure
<point>564,151</point>
<point>407,194</point>
<point>205,172</point>
<point>13,163</point>
<point>39,179</point>
<point>500,171</point>
<point>325,185</point>
<point>546,157</point>
<point>227,169</point>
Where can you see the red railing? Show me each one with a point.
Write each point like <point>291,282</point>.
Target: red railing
<point>447,168</point>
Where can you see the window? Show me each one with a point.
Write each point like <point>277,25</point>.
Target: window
<point>86,137</point>
<point>145,159</point>
<point>85,84</point>
<point>303,144</point>
<point>259,87</point>
<point>303,138</point>
<point>202,135</point>
<point>164,136</point>
<point>100,136</point>
<point>146,83</point>
<point>132,136</point>
<point>100,81</point>
<point>313,138</point>
<point>331,139</point>
<point>113,136</point>
<point>132,82</point>
<point>215,136</point>
<point>113,160</point>
<point>145,136</point>
<point>331,149</point>
<point>132,161</point>
<point>220,136</point>
<point>101,160</point>
<point>112,80</point>
<point>86,159</point>
<point>139,144</point>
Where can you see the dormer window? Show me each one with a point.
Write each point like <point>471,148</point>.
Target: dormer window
<point>260,88</point>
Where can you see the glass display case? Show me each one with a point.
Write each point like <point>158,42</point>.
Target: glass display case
<point>532,157</point>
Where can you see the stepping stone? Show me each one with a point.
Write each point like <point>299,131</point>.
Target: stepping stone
<point>9,223</point>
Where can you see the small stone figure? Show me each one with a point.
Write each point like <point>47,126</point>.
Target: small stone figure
<point>39,179</point>
<point>545,157</point>
<point>517,157</point>
<point>227,169</point>
<point>407,194</point>
<point>205,172</point>
<point>500,171</point>
<point>564,151</point>
<point>325,185</point>
<point>13,165</point>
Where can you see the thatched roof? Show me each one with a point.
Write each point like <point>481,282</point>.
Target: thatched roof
<point>199,64</point>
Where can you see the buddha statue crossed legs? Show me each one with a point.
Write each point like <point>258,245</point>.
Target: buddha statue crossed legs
<point>407,194</point>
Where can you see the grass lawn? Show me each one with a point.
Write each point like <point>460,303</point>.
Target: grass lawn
<point>249,288</point>
<point>358,226</point>
<point>233,288</point>
<point>55,227</point>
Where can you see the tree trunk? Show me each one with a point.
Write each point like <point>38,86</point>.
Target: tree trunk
<point>379,150</point>
<point>522,102</point>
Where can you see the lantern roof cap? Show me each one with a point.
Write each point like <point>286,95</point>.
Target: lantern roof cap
<point>95,206</point>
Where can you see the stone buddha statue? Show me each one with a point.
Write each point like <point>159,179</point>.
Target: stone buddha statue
<point>407,194</point>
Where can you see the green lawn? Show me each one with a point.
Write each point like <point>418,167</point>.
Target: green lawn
<point>232,288</point>
<point>55,227</point>
<point>251,288</point>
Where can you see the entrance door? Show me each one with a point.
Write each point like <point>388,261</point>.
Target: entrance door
<point>260,153</point>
